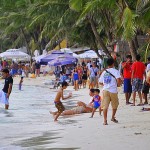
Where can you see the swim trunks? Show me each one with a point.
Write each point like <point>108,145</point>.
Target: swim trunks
<point>59,106</point>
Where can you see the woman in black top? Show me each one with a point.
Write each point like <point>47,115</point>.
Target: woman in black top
<point>37,68</point>
<point>84,76</point>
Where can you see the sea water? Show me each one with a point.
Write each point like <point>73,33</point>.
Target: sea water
<point>27,118</point>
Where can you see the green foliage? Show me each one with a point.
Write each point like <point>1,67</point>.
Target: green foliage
<point>128,22</point>
<point>34,22</point>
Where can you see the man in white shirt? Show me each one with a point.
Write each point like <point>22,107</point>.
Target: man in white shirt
<point>110,78</point>
<point>93,73</point>
<point>148,65</point>
<point>89,65</point>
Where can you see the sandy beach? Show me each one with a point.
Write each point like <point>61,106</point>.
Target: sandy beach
<point>28,124</point>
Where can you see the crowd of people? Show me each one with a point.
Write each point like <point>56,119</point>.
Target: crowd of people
<point>21,68</point>
<point>78,75</point>
<point>135,77</point>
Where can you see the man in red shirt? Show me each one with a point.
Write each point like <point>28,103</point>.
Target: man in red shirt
<point>126,66</point>
<point>138,71</point>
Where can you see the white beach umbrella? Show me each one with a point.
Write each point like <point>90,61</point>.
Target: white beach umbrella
<point>88,54</point>
<point>14,54</point>
<point>38,58</point>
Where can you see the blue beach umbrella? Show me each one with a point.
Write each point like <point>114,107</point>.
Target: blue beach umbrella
<point>60,61</point>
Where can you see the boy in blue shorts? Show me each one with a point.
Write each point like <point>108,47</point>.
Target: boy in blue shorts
<point>96,102</point>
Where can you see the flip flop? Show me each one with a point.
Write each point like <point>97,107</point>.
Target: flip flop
<point>128,103</point>
<point>140,104</point>
<point>105,123</point>
<point>114,120</point>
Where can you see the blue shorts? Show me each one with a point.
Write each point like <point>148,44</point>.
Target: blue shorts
<point>127,86</point>
<point>96,105</point>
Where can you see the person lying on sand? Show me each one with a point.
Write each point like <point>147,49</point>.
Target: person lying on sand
<point>80,108</point>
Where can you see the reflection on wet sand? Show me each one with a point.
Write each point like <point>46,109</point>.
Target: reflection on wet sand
<point>42,142</point>
<point>24,126</point>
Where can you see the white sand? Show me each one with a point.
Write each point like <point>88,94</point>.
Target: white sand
<point>32,127</point>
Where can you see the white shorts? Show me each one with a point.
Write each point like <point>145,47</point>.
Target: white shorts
<point>3,98</point>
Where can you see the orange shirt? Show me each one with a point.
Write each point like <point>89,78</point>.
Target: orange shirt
<point>139,69</point>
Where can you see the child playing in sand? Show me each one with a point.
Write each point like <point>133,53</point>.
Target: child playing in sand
<point>96,102</point>
<point>58,103</point>
<point>80,108</point>
<point>20,83</point>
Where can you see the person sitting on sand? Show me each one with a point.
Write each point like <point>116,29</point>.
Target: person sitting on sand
<point>96,102</point>
<point>58,103</point>
<point>80,108</point>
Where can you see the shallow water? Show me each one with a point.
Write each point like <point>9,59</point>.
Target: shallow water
<point>28,124</point>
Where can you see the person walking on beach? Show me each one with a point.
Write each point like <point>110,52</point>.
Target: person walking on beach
<point>75,77</point>
<point>20,83</point>
<point>37,68</point>
<point>126,66</point>
<point>6,91</point>
<point>110,79</point>
<point>84,76</point>
<point>96,102</point>
<point>58,103</point>
<point>93,72</point>
<point>138,71</point>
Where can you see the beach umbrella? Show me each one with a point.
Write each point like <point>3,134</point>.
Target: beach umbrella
<point>57,52</point>
<point>88,54</point>
<point>54,55</point>
<point>62,60</point>
<point>14,54</point>
<point>38,58</point>
<point>91,54</point>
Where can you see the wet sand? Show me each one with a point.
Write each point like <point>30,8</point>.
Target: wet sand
<point>28,124</point>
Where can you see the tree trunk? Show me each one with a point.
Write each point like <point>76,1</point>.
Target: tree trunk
<point>96,50</point>
<point>99,40</point>
<point>132,51</point>
<point>136,42</point>
<point>27,45</point>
